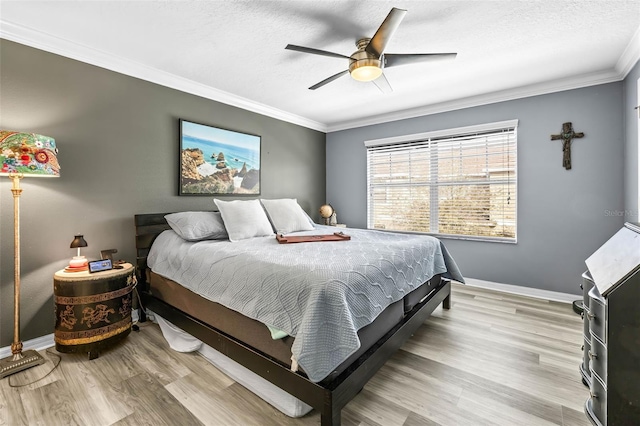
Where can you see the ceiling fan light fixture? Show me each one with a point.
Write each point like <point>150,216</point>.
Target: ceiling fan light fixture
<point>365,69</point>
<point>366,63</point>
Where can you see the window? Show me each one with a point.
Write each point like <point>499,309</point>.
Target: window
<point>456,183</point>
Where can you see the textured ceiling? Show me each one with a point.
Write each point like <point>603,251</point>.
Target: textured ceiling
<point>233,51</point>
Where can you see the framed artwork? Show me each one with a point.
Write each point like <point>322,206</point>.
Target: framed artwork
<point>216,161</point>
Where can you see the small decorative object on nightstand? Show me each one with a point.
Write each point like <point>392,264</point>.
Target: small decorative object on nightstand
<point>93,310</point>
<point>78,263</point>
<point>328,214</point>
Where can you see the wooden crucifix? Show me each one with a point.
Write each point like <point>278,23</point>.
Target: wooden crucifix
<point>567,136</point>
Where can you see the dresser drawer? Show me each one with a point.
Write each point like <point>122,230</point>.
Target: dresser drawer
<point>587,285</point>
<point>598,357</point>
<point>586,349</point>
<point>585,372</point>
<point>586,325</point>
<point>598,400</point>
<point>597,315</point>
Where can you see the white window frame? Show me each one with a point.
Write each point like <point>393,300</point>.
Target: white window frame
<point>439,134</point>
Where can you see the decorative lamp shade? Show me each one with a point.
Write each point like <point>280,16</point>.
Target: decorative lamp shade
<point>78,241</point>
<point>28,154</point>
<point>326,211</point>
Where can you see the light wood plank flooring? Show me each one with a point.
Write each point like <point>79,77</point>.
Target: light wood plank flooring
<point>493,359</point>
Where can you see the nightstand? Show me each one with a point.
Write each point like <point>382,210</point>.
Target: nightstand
<point>93,310</point>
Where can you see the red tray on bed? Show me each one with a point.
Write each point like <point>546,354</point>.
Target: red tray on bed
<point>336,236</point>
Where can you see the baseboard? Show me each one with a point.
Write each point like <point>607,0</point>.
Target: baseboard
<point>39,344</point>
<point>524,291</point>
<point>44,342</point>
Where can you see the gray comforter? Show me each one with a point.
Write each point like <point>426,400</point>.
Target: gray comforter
<point>321,293</point>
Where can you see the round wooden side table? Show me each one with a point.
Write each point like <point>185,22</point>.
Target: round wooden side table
<point>93,310</point>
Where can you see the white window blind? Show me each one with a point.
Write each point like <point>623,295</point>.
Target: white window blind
<point>458,183</point>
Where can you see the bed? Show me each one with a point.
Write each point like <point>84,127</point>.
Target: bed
<point>324,371</point>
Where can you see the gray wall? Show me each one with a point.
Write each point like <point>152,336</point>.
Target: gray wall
<point>563,215</point>
<point>631,120</point>
<point>118,142</point>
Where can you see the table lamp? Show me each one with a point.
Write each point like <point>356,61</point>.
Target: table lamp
<point>328,213</point>
<point>22,155</point>
<point>78,263</point>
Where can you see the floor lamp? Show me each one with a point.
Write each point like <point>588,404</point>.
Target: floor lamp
<point>23,154</point>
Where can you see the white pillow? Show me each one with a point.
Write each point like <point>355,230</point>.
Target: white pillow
<point>197,226</point>
<point>287,216</point>
<point>244,219</point>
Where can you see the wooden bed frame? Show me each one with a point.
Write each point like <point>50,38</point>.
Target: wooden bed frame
<point>328,397</point>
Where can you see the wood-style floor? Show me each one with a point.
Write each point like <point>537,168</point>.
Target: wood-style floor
<point>493,359</point>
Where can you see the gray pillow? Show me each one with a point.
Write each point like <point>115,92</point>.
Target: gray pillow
<point>244,219</point>
<point>287,216</point>
<point>198,226</point>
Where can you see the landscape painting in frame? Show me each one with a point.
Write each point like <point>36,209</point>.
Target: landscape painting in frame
<point>215,161</point>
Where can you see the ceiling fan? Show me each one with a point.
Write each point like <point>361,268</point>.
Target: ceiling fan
<point>367,63</point>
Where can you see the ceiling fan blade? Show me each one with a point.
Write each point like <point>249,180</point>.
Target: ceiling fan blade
<point>383,84</point>
<point>393,60</point>
<point>380,39</point>
<point>329,80</point>
<point>315,51</point>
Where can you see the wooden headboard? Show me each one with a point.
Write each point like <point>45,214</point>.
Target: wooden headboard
<point>148,227</point>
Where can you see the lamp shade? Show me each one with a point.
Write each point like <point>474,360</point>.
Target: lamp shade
<point>28,154</point>
<point>326,210</point>
<point>78,241</point>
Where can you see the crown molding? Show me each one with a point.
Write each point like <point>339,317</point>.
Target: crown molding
<point>66,48</point>
<point>630,56</point>
<point>79,52</point>
<point>544,88</point>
